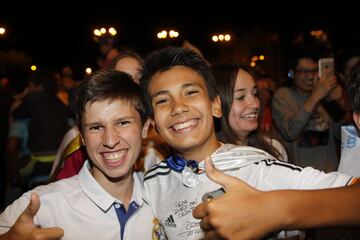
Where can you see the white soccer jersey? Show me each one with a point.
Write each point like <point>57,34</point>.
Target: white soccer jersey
<point>173,202</point>
<point>84,210</point>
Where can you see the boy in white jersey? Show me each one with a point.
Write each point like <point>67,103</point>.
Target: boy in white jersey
<point>183,99</point>
<point>105,200</point>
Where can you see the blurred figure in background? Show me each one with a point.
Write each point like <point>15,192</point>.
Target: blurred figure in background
<point>266,88</point>
<point>307,127</point>
<point>128,61</point>
<point>108,50</point>
<point>49,119</point>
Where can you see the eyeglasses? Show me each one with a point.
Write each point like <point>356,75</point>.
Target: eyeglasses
<point>304,71</point>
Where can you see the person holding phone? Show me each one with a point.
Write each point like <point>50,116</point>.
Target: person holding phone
<point>308,129</point>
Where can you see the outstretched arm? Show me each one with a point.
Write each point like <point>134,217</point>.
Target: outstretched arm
<point>25,229</point>
<point>259,213</point>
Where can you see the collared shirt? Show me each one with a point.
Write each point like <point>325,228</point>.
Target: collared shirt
<point>84,210</point>
<point>173,201</point>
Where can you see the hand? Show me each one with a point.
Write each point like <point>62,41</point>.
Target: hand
<point>324,85</point>
<point>335,93</point>
<point>254,215</point>
<point>25,229</point>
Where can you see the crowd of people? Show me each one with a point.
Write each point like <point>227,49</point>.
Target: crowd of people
<point>130,151</point>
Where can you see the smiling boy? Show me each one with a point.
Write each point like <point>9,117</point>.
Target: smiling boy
<point>183,99</point>
<point>105,200</point>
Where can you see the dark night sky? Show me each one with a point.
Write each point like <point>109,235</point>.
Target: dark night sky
<point>63,35</point>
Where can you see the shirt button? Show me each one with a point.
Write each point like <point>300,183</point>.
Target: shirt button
<point>117,205</point>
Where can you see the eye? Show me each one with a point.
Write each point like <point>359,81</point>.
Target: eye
<point>255,92</point>
<point>192,92</point>
<point>95,128</point>
<point>240,98</point>
<point>124,123</point>
<point>160,101</point>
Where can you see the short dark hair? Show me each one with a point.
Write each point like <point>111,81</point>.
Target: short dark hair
<point>352,86</point>
<point>167,58</point>
<point>112,85</point>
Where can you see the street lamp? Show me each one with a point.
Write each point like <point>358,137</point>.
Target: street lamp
<point>103,32</point>
<point>222,37</point>
<point>164,34</point>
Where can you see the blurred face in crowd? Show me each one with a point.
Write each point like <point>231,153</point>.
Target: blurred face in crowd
<point>306,73</point>
<point>243,117</point>
<point>112,136</point>
<point>131,66</point>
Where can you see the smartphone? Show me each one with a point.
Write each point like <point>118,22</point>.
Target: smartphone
<point>210,195</point>
<point>326,65</point>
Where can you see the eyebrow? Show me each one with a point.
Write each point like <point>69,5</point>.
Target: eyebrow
<point>244,89</point>
<point>162,92</point>
<point>185,85</point>
<point>90,124</point>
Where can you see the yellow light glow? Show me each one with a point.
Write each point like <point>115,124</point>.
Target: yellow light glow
<point>215,38</point>
<point>33,67</point>
<point>88,71</point>
<point>261,57</point>
<point>2,30</point>
<point>221,37</point>
<point>173,34</point>
<point>112,31</point>
<point>97,32</point>
<point>103,30</point>
<point>227,37</point>
<point>252,64</point>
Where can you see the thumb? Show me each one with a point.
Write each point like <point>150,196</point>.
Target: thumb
<point>219,177</point>
<point>31,210</point>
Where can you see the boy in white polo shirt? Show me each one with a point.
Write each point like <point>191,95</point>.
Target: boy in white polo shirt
<point>183,99</point>
<point>105,200</point>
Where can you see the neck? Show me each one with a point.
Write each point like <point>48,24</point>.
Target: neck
<point>242,140</point>
<point>199,154</point>
<point>120,188</point>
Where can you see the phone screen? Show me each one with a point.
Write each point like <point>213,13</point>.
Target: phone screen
<point>326,65</point>
<point>210,195</point>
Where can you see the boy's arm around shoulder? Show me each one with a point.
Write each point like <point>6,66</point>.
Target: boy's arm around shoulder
<point>321,208</point>
<point>259,213</point>
<point>24,227</point>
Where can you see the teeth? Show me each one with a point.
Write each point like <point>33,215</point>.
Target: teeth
<point>114,156</point>
<point>250,116</point>
<point>184,125</point>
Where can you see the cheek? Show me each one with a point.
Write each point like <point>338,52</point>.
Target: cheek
<point>92,141</point>
<point>234,118</point>
<point>237,109</point>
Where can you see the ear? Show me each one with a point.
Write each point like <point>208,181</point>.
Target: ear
<point>145,130</point>
<point>356,117</point>
<point>216,107</point>
<point>82,140</point>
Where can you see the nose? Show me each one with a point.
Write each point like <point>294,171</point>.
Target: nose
<point>179,107</point>
<point>111,138</point>
<point>253,101</point>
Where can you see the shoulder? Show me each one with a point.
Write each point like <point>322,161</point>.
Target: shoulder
<point>61,188</point>
<point>279,147</point>
<point>160,169</point>
<point>283,92</point>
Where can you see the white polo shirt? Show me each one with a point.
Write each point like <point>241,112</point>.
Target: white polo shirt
<point>173,202</point>
<point>84,210</point>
